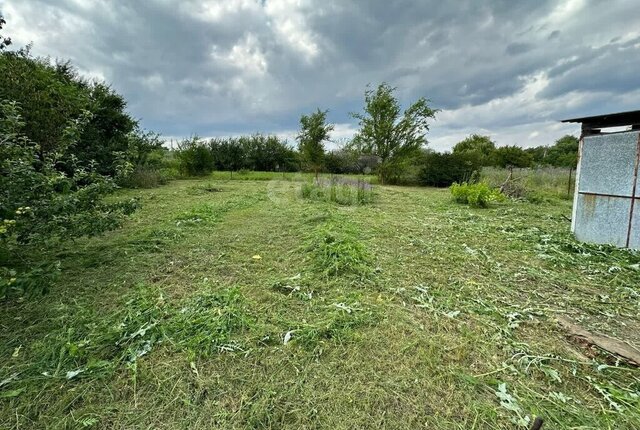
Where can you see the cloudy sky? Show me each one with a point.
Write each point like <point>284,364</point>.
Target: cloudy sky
<point>509,69</point>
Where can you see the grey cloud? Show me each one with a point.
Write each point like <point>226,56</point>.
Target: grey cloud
<point>261,64</point>
<point>518,48</point>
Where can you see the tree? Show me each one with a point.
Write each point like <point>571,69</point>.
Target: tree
<point>481,146</point>
<point>442,170</point>
<point>512,156</point>
<point>4,41</point>
<point>313,132</point>
<point>52,95</point>
<point>564,153</point>
<point>388,134</point>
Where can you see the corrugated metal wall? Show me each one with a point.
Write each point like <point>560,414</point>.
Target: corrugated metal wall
<point>606,206</point>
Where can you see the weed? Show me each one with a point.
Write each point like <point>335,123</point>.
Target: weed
<point>475,195</point>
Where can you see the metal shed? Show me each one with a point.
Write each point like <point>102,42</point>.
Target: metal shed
<point>606,205</point>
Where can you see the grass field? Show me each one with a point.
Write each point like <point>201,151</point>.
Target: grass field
<point>238,304</point>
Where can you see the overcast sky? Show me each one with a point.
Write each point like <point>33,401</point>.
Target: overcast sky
<point>509,69</point>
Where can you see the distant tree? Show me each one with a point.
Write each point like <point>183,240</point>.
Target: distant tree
<point>481,146</point>
<point>4,41</point>
<point>443,169</point>
<point>564,153</point>
<point>195,157</point>
<point>228,154</point>
<point>512,156</point>
<point>342,161</point>
<point>538,154</point>
<point>387,133</point>
<point>314,131</point>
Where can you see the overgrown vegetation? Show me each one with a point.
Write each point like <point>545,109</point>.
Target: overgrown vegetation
<point>40,204</point>
<point>477,195</point>
<point>276,302</point>
<point>341,190</point>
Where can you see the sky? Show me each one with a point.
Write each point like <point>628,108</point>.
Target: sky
<point>503,68</point>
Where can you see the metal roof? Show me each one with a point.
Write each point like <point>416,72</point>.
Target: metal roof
<point>618,119</point>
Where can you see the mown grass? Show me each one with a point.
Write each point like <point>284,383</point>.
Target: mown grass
<point>238,304</point>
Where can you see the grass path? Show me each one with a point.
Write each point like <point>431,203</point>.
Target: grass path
<point>236,304</point>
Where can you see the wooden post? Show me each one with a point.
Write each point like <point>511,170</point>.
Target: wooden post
<point>569,186</point>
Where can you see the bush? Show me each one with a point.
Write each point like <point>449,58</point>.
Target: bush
<point>442,170</point>
<point>40,204</point>
<point>194,157</point>
<point>475,195</point>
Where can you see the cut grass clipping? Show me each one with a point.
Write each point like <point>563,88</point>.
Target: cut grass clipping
<point>336,250</point>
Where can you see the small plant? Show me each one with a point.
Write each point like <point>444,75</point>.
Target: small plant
<point>475,195</point>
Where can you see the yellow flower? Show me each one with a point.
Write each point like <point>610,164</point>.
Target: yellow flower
<point>257,257</point>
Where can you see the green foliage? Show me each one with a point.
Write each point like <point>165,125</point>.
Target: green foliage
<point>195,157</point>
<point>343,161</point>
<point>257,152</point>
<point>4,41</point>
<point>53,95</point>
<point>537,185</point>
<point>314,131</point>
<point>392,136</point>
<point>475,195</point>
<point>38,202</point>
<point>343,191</point>
<point>443,169</point>
<point>512,156</point>
<point>563,153</point>
<point>478,147</point>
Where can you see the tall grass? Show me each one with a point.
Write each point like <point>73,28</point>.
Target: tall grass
<point>543,181</point>
<point>343,191</point>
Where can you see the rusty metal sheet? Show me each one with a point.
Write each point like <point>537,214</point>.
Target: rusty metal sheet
<point>601,219</point>
<point>634,238</point>
<point>607,181</point>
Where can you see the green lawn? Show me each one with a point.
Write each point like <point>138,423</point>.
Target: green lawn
<point>237,304</point>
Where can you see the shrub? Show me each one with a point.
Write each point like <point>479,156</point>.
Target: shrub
<point>194,157</point>
<point>40,204</point>
<point>476,195</point>
<point>442,170</point>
